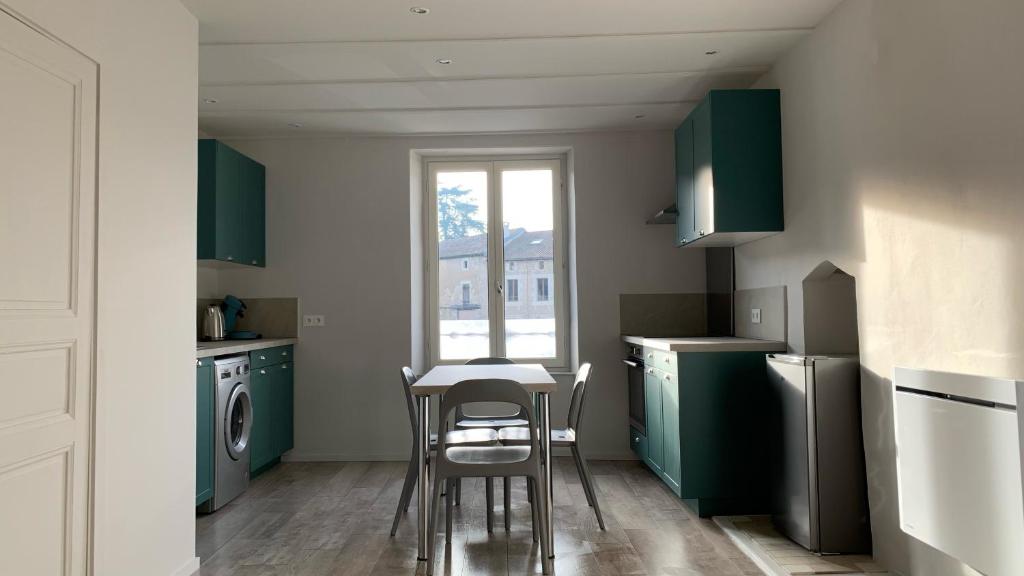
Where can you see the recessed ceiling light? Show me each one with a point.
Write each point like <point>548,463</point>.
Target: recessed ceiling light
<point>444,60</point>
<point>295,124</point>
<point>711,52</point>
<point>210,100</point>
<point>640,116</point>
<point>419,10</point>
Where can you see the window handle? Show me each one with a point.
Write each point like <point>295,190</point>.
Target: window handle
<point>500,287</point>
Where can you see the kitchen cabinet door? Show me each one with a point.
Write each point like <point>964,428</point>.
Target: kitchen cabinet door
<point>283,418</point>
<point>670,430</point>
<point>685,230</point>
<point>231,206</point>
<point>205,408</point>
<point>227,222</point>
<point>258,217</point>
<point>703,171</point>
<point>655,431</point>
<point>261,383</point>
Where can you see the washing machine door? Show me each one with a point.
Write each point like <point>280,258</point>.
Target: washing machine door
<point>238,421</point>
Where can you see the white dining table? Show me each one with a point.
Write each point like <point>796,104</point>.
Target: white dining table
<point>533,377</point>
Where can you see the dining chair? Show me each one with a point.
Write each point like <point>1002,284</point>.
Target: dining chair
<point>568,437</point>
<point>460,461</point>
<point>464,421</point>
<point>474,437</point>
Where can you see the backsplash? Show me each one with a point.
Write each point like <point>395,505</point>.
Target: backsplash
<point>663,315</point>
<point>271,317</point>
<point>772,303</point>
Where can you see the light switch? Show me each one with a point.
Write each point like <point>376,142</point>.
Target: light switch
<point>314,320</point>
<point>755,315</point>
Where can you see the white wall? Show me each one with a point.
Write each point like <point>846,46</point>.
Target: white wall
<point>145,406</point>
<point>338,237</point>
<point>903,139</point>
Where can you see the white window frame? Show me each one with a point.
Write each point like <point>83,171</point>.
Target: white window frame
<point>548,281</point>
<point>495,258</point>
<point>465,292</point>
<point>509,291</point>
<point>465,263</point>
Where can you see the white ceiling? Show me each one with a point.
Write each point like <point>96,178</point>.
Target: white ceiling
<point>370,66</point>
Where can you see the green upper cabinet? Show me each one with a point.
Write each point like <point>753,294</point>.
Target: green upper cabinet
<point>232,206</point>
<point>729,169</point>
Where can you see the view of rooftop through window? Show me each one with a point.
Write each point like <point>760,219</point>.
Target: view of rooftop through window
<point>527,199</point>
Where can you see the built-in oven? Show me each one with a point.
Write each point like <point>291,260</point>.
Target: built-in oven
<point>634,362</point>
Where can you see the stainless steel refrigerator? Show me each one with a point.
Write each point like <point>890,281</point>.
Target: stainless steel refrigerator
<point>821,488</point>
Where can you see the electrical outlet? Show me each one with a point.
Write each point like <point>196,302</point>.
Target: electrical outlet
<point>314,320</point>
<point>755,315</point>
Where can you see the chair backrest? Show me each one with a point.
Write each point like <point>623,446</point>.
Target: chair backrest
<point>460,415</point>
<point>473,391</point>
<point>490,360</point>
<point>579,394</point>
<point>408,379</point>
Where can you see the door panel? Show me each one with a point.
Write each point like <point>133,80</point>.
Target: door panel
<point>655,430</point>
<point>704,181</point>
<point>261,385</point>
<point>205,430</point>
<point>670,426</point>
<point>286,407</point>
<point>47,313</point>
<point>685,230</point>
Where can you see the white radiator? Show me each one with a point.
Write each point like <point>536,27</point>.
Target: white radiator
<point>959,467</point>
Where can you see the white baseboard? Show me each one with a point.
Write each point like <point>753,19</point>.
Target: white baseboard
<point>188,569</point>
<point>298,456</point>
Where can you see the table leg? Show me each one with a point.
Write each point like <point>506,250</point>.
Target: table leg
<point>423,502</point>
<point>545,442</point>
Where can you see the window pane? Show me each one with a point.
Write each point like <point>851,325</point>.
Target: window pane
<point>462,265</point>
<point>528,200</point>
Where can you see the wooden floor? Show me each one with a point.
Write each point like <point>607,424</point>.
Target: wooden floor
<point>335,519</point>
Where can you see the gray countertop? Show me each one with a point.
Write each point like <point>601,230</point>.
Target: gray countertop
<point>208,349</point>
<point>708,344</point>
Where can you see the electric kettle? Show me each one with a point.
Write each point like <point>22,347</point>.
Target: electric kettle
<point>213,323</point>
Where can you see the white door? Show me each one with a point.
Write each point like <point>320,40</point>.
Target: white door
<point>47,293</point>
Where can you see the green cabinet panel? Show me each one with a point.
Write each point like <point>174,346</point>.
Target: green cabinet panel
<point>262,451</point>
<point>282,421</point>
<point>655,432</point>
<point>725,431</point>
<point>729,169</point>
<point>231,206</point>
<point>269,356</point>
<point>670,429</point>
<point>685,229</point>
<point>205,408</point>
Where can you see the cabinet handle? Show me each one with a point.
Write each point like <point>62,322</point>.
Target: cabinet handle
<point>650,355</point>
<point>285,353</point>
<point>262,357</point>
<point>263,372</point>
<point>668,376</point>
<point>199,362</point>
<point>701,232</point>
<point>284,366</point>
<point>253,261</point>
<point>230,258</point>
<point>650,370</point>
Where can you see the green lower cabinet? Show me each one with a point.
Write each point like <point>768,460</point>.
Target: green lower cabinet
<point>273,409</point>
<point>204,430</point>
<point>261,452</point>
<point>710,430</point>
<point>655,433</point>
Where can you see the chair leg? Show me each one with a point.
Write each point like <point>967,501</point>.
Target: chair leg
<point>448,501</point>
<point>490,504</point>
<point>508,503</point>
<point>458,491</point>
<point>583,481</point>
<point>543,516</point>
<point>588,480</point>
<point>531,491</point>
<point>432,532</point>
<point>407,487</point>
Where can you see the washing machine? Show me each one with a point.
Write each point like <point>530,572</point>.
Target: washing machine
<point>232,430</point>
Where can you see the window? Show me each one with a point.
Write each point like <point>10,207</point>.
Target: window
<point>495,212</point>
<point>512,290</point>
<point>542,289</point>
<point>540,265</point>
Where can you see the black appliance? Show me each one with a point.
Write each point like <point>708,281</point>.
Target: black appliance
<point>634,362</point>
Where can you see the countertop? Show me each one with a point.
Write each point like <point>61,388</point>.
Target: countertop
<point>222,347</point>
<point>708,344</point>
